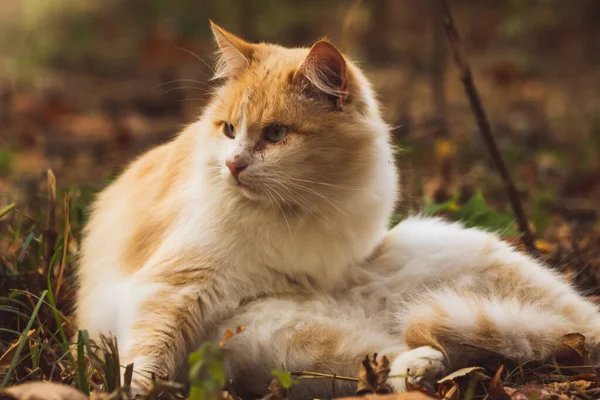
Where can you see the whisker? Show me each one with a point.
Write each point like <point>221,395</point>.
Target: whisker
<point>320,195</point>
<point>283,214</point>
<point>324,184</point>
<point>203,90</point>
<point>289,191</point>
<point>197,57</point>
<point>183,81</point>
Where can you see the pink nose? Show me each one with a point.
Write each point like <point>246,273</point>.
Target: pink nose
<point>236,166</point>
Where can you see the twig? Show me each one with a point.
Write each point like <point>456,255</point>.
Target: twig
<point>318,375</point>
<point>484,127</point>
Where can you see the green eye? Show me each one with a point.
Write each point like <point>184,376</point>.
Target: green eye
<point>274,133</point>
<point>229,130</point>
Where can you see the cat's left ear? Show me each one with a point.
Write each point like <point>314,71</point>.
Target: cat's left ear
<point>234,53</point>
<point>325,69</point>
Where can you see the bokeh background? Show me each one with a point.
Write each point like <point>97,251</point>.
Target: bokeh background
<point>85,86</point>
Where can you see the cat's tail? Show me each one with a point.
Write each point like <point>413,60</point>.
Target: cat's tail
<point>466,325</point>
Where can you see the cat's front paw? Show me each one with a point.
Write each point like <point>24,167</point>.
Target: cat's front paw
<point>420,366</point>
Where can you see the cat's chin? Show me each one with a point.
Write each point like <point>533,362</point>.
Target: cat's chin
<point>250,192</point>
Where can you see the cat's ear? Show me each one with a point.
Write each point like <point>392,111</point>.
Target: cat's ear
<point>325,69</point>
<point>234,54</point>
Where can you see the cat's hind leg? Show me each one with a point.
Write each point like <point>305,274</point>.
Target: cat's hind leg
<point>469,326</point>
<point>423,254</point>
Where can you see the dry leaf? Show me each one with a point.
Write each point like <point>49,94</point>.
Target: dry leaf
<point>230,334</point>
<point>373,375</point>
<point>42,391</point>
<point>538,392</point>
<point>449,390</point>
<point>276,392</point>
<point>413,395</point>
<point>496,388</point>
<point>448,387</point>
<point>8,355</point>
<point>572,350</point>
<point>476,372</point>
<point>577,386</point>
<point>544,246</point>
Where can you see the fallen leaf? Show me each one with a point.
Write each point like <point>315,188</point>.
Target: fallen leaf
<point>577,386</point>
<point>496,388</point>
<point>449,390</point>
<point>531,391</point>
<point>572,350</point>
<point>544,246</point>
<point>465,372</point>
<point>373,375</point>
<point>9,354</point>
<point>276,391</point>
<point>413,395</point>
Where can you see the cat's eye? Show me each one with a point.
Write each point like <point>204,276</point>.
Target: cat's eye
<point>229,130</point>
<point>274,133</point>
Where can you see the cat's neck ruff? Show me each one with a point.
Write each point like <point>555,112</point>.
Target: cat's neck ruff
<point>250,235</point>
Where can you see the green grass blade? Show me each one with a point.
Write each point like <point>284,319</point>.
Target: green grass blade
<point>7,209</point>
<point>14,310</point>
<point>25,247</point>
<point>83,383</point>
<point>57,317</point>
<point>15,359</point>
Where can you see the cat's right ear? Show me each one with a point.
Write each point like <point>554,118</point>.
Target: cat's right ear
<point>325,69</point>
<point>234,54</point>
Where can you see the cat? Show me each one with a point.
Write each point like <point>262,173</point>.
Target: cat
<point>271,212</point>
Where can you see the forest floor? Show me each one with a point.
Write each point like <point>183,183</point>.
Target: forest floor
<point>65,135</point>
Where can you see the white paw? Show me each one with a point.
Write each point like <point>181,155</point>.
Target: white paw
<point>420,366</point>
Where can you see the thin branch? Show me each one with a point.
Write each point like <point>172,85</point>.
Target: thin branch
<point>485,129</point>
<point>319,375</point>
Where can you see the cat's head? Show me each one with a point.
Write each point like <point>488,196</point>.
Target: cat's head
<point>295,126</point>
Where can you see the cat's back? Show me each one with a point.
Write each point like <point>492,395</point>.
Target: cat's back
<point>127,222</point>
<point>130,216</point>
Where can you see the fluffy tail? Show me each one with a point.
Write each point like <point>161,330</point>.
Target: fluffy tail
<point>465,325</point>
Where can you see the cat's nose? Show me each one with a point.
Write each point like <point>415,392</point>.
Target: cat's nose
<point>236,165</point>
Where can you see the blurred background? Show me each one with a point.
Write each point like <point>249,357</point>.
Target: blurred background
<point>87,85</point>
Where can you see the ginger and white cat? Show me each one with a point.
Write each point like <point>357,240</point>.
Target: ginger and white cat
<point>270,212</point>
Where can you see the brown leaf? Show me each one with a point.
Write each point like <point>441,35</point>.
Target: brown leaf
<point>449,390</point>
<point>8,355</point>
<point>413,395</point>
<point>572,350</point>
<point>539,392</point>
<point>473,371</point>
<point>496,388</point>
<point>373,375</point>
<point>449,387</point>
<point>230,334</point>
<point>577,386</point>
<point>42,391</point>
<point>382,371</point>
<point>276,392</point>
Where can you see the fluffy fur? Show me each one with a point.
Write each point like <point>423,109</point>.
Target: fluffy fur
<point>177,249</point>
